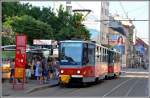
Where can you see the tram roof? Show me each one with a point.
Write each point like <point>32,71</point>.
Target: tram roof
<point>81,41</point>
<point>77,41</point>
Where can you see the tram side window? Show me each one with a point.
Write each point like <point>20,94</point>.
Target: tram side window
<point>118,58</point>
<point>106,56</point>
<point>97,55</point>
<point>110,57</point>
<point>85,54</point>
<point>114,57</point>
<point>91,54</point>
<point>103,55</point>
<point>100,54</point>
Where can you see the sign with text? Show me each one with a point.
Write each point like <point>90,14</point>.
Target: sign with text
<point>44,42</point>
<point>20,56</point>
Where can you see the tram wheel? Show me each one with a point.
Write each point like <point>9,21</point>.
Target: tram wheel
<point>96,81</point>
<point>61,85</point>
<point>84,84</point>
<point>115,76</point>
<point>106,77</point>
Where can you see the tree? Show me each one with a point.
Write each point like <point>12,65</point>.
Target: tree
<point>70,26</point>
<point>43,23</point>
<point>34,29</point>
<point>10,9</point>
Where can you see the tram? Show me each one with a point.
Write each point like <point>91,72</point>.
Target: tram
<point>114,64</point>
<point>86,61</point>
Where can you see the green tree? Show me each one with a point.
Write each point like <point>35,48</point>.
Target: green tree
<point>43,23</point>
<point>34,29</point>
<point>10,9</point>
<point>70,26</point>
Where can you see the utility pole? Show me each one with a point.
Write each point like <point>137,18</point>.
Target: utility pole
<point>104,15</point>
<point>69,6</point>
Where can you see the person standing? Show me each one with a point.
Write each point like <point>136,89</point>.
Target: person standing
<point>44,71</point>
<point>28,71</point>
<point>38,71</point>
<point>50,69</point>
<point>55,68</point>
<point>12,65</point>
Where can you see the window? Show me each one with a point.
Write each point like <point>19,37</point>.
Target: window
<point>97,54</point>
<point>91,54</point>
<point>103,55</point>
<point>110,57</point>
<point>100,54</point>
<point>85,54</point>
<point>70,53</point>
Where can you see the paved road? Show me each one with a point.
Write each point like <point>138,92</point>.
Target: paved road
<point>121,87</point>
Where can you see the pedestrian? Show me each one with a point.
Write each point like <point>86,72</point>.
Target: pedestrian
<point>38,71</point>
<point>44,71</point>
<point>55,68</point>
<point>32,68</point>
<point>50,69</point>
<point>12,64</point>
<point>28,72</point>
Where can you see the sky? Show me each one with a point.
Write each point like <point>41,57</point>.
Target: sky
<point>137,10</point>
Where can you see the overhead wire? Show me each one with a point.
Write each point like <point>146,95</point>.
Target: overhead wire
<point>123,9</point>
<point>84,8</point>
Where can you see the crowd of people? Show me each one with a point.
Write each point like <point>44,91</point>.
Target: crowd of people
<point>39,68</point>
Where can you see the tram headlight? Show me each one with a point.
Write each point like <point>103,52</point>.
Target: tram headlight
<point>78,71</point>
<point>62,71</point>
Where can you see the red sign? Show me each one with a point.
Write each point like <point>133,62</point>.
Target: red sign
<point>20,55</point>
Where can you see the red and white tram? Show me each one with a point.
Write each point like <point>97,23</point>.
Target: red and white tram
<point>114,63</point>
<point>85,61</point>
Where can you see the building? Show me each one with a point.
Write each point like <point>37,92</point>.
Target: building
<point>141,53</point>
<point>123,29</point>
<point>97,23</point>
<point>104,23</point>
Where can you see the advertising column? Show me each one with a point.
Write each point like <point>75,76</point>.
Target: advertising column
<point>20,60</point>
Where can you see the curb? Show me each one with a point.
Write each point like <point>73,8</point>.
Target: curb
<point>40,88</point>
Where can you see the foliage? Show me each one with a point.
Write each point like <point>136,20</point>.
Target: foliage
<point>43,23</point>
<point>34,29</point>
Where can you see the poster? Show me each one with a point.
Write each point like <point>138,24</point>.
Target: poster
<point>120,45</point>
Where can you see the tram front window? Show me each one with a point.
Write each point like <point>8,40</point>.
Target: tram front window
<point>70,53</point>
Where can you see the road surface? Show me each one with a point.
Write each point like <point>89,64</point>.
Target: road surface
<point>132,86</point>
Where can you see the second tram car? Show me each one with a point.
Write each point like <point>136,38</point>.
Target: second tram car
<point>114,63</point>
<point>85,61</point>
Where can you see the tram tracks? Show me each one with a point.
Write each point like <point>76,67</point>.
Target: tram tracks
<point>116,87</point>
<point>121,87</point>
<point>124,88</point>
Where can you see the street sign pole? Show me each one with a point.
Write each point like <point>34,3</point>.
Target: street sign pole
<point>20,61</point>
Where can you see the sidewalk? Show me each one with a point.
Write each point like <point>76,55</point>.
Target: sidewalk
<point>134,71</point>
<point>31,86</point>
